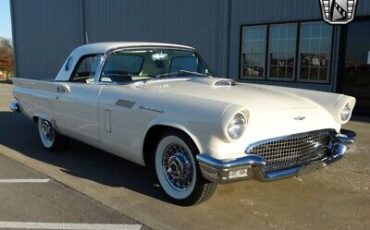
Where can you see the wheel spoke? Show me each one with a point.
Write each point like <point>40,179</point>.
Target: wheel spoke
<point>46,133</point>
<point>177,167</point>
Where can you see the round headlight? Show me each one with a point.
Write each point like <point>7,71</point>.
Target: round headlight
<point>237,126</point>
<point>346,112</point>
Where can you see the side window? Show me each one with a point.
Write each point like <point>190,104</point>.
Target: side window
<point>85,69</point>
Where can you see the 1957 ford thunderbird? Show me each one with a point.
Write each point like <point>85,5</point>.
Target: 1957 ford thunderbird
<point>158,105</point>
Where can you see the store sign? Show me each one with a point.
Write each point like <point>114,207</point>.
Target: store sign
<point>338,11</point>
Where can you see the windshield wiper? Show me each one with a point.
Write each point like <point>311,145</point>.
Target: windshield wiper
<point>181,72</point>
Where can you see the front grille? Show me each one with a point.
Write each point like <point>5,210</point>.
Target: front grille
<point>292,151</point>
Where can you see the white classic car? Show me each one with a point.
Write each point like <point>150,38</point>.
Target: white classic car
<point>157,105</point>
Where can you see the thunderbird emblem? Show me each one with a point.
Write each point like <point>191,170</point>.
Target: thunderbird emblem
<point>338,11</point>
<point>299,118</point>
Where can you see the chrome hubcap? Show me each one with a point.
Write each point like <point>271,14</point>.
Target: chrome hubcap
<point>47,131</point>
<point>177,167</point>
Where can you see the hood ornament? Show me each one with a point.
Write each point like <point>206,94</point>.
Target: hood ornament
<point>299,118</point>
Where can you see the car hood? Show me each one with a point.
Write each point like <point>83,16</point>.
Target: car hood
<point>273,111</point>
<point>252,96</point>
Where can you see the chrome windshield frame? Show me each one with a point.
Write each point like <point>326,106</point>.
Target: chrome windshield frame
<point>118,49</point>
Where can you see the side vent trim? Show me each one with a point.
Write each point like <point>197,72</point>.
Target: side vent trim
<point>125,103</point>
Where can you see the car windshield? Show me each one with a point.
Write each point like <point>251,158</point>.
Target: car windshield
<point>134,65</point>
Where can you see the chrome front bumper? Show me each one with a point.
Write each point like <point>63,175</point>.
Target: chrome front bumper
<point>14,107</point>
<point>251,166</point>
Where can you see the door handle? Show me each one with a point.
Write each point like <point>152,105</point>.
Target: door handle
<point>61,89</point>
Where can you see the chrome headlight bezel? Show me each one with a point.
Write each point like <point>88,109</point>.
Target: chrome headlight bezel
<point>345,113</point>
<point>236,126</point>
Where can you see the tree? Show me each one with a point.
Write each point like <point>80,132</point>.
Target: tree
<point>6,57</point>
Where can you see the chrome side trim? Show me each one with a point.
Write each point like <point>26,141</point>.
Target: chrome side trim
<point>150,109</point>
<point>14,107</point>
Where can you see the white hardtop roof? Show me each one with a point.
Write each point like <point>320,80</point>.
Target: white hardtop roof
<point>103,47</point>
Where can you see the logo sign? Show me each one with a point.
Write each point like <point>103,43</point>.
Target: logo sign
<point>338,11</point>
<point>299,118</point>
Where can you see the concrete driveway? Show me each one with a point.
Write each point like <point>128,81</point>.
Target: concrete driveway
<point>336,197</point>
<point>31,199</point>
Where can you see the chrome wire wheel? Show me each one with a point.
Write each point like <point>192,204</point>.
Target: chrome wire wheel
<point>46,132</point>
<point>175,167</point>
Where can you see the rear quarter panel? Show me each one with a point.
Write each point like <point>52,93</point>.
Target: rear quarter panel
<point>35,97</point>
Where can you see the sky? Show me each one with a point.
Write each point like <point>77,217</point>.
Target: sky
<point>5,23</point>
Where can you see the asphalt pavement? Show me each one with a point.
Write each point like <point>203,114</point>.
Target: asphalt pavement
<point>336,197</point>
<point>29,196</point>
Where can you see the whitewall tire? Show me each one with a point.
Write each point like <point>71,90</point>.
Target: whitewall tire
<point>178,172</point>
<point>49,136</point>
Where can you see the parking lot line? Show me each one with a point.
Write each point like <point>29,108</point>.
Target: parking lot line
<point>67,226</point>
<point>24,181</point>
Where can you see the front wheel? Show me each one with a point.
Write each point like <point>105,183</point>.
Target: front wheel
<point>178,172</point>
<point>50,138</point>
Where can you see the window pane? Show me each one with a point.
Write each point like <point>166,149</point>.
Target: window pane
<point>85,69</point>
<point>189,63</point>
<point>282,48</point>
<point>314,52</point>
<point>123,63</point>
<point>253,52</point>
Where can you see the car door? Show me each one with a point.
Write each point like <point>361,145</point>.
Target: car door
<point>122,124</point>
<point>76,103</point>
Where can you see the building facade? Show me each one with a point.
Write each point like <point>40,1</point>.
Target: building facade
<point>279,42</point>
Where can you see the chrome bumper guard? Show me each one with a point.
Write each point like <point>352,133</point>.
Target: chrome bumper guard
<point>251,166</point>
<point>14,107</point>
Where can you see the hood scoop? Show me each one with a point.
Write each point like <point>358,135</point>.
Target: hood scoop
<point>224,82</point>
<point>215,82</point>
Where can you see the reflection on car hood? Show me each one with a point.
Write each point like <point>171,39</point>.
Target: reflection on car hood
<point>252,96</point>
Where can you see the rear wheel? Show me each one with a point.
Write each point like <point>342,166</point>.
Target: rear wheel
<point>49,136</point>
<point>178,172</point>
